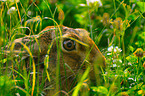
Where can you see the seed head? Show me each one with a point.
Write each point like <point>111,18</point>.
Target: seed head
<point>138,52</point>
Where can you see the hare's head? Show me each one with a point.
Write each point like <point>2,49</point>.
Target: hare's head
<point>78,51</point>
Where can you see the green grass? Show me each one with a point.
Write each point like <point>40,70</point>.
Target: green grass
<point>117,27</point>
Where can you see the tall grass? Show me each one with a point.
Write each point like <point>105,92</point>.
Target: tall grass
<point>120,39</point>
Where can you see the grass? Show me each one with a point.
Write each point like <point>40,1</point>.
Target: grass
<point>117,27</point>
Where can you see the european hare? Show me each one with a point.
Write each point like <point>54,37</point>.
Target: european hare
<point>77,51</point>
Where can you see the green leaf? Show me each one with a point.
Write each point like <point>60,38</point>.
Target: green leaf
<point>134,1</point>
<point>136,87</point>
<point>142,36</point>
<point>131,48</point>
<point>132,58</point>
<point>142,6</point>
<point>77,88</point>
<point>3,60</point>
<point>122,94</point>
<point>139,44</point>
<point>6,85</point>
<point>100,89</point>
<point>143,87</point>
<point>94,89</point>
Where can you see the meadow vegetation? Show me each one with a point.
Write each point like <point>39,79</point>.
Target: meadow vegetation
<point>116,26</point>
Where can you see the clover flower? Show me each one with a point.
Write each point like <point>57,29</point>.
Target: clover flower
<point>117,50</point>
<point>105,18</point>
<point>118,23</point>
<point>117,60</point>
<point>114,50</point>
<point>114,53</point>
<point>110,49</point>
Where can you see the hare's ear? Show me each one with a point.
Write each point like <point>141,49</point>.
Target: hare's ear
<point>52,28</point>
<point>47,29</point>
<point>82,32</point>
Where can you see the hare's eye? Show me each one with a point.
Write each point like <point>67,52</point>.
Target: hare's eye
<point>69,44</point>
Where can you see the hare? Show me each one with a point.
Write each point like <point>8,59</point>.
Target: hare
<point>76,51</point>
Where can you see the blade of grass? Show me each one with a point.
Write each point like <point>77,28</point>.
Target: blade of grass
<point>34,69</point>
<point>76,91</point>
<point>22,89</point>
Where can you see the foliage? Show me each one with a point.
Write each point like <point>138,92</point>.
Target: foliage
<point>116,26</point>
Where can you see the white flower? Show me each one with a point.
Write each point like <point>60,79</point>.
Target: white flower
<point>109,53</point>
<point>120,61</point>
<point>117,60</point>
<point>17,94</point>
<point>116,75</point>
<point>11,10</point>
<point>129,63</point>
<point>114,65</point>
<point>130,79</point>
<point>117,50</point>
<point>46,55</point>
<point>114,60</point>
<point>110,49</point>
<point>82,4</point>
<point>30,13</point>
<point>106,73</point>
<point>93,1</point>
<point>125,71</point>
